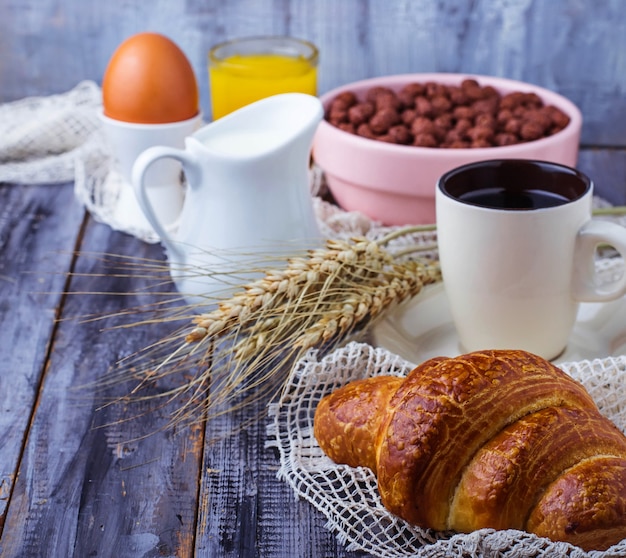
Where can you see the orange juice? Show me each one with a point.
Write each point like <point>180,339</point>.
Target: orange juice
<point>244,77</point>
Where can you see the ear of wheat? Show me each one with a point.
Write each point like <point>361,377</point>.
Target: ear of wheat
<point>241,350</point>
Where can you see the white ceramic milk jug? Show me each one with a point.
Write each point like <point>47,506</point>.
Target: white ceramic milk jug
<point>247,198</point>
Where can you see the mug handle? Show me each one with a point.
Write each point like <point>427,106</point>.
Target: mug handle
<point>140,167</point>
<point>586,285</point>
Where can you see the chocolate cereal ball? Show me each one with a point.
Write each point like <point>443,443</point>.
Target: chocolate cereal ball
<point>432,114</point>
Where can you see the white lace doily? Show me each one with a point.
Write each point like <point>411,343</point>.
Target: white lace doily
<point>59,138</point>
<point>42,137</point>
<point>348,497</point>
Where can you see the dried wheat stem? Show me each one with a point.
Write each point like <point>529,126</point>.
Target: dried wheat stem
<point>365,305</point>
<point>361,258</point>
<point>318,299</point>
<point>333,286</point>
<point>431,246</point>
<point>615,210</point>
<point>405,231</point>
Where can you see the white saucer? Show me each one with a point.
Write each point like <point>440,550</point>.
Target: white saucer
<point>422,328</point>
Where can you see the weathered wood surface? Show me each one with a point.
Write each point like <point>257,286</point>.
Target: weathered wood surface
<point>33,267</point>
<point>76,481</point>
<point>607,169</point>
<point>80,481</point>
<point>571,46</point>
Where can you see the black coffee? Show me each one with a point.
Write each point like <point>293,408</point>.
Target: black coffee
<point>500,198</point>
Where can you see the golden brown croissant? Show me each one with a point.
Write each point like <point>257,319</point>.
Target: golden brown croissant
<point>500,439</point>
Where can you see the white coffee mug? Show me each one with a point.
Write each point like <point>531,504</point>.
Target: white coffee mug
<point>517,246</point>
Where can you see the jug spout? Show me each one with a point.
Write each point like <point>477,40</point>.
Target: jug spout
<point>261,127</point>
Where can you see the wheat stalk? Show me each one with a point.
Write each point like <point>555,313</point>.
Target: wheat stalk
<point>357,309</point>
<point>241,350</point>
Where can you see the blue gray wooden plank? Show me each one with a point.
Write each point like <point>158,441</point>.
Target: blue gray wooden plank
<point>607,169</point>
<point>39,228</point>
<point>86,486</point>
<point>244,509</point>
<point>572,47</point>
<point>91,482</point>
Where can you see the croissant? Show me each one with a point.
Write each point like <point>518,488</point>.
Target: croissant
<point>499,439</point>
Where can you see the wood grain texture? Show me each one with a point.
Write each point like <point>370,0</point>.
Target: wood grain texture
<point>573,47</point>
<point>607,169</point>
<point>244,510</point>
<point>89,484</point>
<point>78,480</point>
<point>92,482</point>
<point>33,268</point>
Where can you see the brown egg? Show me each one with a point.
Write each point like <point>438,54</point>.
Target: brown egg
<point>149,80</point>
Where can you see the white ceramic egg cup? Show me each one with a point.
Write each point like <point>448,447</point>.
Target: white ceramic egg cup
<point>127,140</point>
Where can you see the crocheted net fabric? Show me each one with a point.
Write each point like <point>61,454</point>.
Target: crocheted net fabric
<point>59,138</point>
<point>348,497</point>
<point>42,138</point>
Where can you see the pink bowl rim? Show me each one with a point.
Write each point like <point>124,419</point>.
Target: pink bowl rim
<point>500,83</point>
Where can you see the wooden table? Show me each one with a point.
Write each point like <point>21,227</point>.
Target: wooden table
<point>77,480</point>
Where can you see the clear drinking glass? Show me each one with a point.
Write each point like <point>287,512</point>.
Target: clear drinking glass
<point>245,70</point>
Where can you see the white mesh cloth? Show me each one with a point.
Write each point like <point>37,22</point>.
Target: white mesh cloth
<point>348,497</point>
<point>41,138</point>
<point>59,138</point>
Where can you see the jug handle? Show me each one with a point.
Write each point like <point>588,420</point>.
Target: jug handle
<point>140,167</point>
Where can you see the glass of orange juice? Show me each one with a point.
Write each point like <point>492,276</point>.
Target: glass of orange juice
<point>245,70</point>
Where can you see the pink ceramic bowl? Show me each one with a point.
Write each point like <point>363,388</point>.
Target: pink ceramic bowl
<point>394,183</point>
